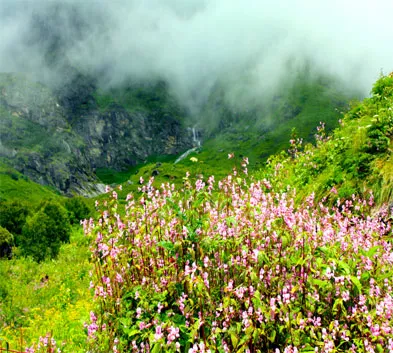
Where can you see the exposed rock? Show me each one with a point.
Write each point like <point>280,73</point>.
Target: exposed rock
<point>58,137</point>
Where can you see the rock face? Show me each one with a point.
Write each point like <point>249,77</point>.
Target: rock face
<point>118,139</point>
<point>59,136</point>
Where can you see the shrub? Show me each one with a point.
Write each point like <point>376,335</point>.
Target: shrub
<point>6,243</point>
<point>77,209</point>
<point>59,219</point>
<point>13,216</point>
<point>39,238</point>
<point>241,269</point>
<point>44,232</point>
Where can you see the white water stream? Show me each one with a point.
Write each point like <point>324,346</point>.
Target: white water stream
<point>195,141</point>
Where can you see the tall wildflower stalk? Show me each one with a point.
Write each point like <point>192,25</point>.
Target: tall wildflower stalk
<point>233,266</point>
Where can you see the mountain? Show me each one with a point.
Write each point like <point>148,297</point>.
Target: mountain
<point>59,137</point>
<point>63,121</point>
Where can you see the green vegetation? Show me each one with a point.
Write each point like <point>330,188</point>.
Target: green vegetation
<point>356,159</point>
<point>15,186</point>
<point>78,209</point>
<point>6,243</point>
<point>51,296</point>
<point>44,231</point>
<point>235,265</point>
<point>153,98</point>
<point>13,215</point>
<point>293,256</point>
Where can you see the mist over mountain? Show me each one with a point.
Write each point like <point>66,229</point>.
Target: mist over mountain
<point>195,44</point>
<point>89,85</point>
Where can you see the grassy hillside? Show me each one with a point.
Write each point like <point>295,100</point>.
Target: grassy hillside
<point>14,186</point>
<point>48,297</point>
<point>355,159</point>
<point>133,97</point>
<point>259,133</point>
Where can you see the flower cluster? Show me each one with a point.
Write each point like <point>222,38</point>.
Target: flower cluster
<point>241,268</point>
<point>45,344</point>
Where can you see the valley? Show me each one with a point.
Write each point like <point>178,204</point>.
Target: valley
<point>196,177</point>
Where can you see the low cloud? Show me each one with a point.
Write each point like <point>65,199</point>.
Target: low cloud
<point>251,44</point>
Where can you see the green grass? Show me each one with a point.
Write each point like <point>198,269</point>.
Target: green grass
<point>356,159</point>
<point>16,186</point>
<point>31,306</point>
<point>150,98</point>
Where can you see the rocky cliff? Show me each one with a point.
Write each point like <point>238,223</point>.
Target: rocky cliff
<point>57,136</point>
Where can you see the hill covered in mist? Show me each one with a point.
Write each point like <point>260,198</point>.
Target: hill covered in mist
<point>104,88</point>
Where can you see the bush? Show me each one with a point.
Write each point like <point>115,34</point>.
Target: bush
<point>39,238</point>
<point>60,221</point>
<point>77,209</point>
<point>13,216</point>
<point>240,269</point>
<point>6,242</point>
<point>44,232</point>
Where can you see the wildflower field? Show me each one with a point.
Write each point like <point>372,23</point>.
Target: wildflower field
<point>296,257</point>
<point>233,266</point>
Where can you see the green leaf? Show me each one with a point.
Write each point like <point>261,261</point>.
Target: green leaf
<point>344,266</point>
<point>156,348</point>
<point>167,245</point>
<point>372,251</point>
<point>272,336</point>
<point>357,283</point>
<point>321,283</point>
<point>306,349</point>
<point>338,303</point>
<point>133,333</point>
<point>234,339</point>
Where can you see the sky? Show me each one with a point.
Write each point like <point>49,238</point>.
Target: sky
<point>251,45</point>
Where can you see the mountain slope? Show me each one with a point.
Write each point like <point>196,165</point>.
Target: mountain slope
<point>356,159</point>
<point>57,140</point>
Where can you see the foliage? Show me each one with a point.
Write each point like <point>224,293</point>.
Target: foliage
<point>37,239</point>
<point>13,215</point>
<point>60,223</point>
<point>44,232</point>
<point>77,208</point>
<point>236,266</point>
<point>51,296</point>
<point>355,159</point>
<point>6,243</point>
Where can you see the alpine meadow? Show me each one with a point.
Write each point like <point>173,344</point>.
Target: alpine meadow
<point>200,176</point>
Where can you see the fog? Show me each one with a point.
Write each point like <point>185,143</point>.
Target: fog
<point>251,45</point>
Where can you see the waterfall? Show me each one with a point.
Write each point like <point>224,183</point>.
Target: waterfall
<point>196,142</point>
<point>195,139</point>
<point>185,154</point>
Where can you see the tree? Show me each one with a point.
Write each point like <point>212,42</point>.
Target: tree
<point>6,242</point>
<point>39,239</point>
<point>44,232</point>
<point>77,209</point>
<point>60,220</point>
<point>13,217</point>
